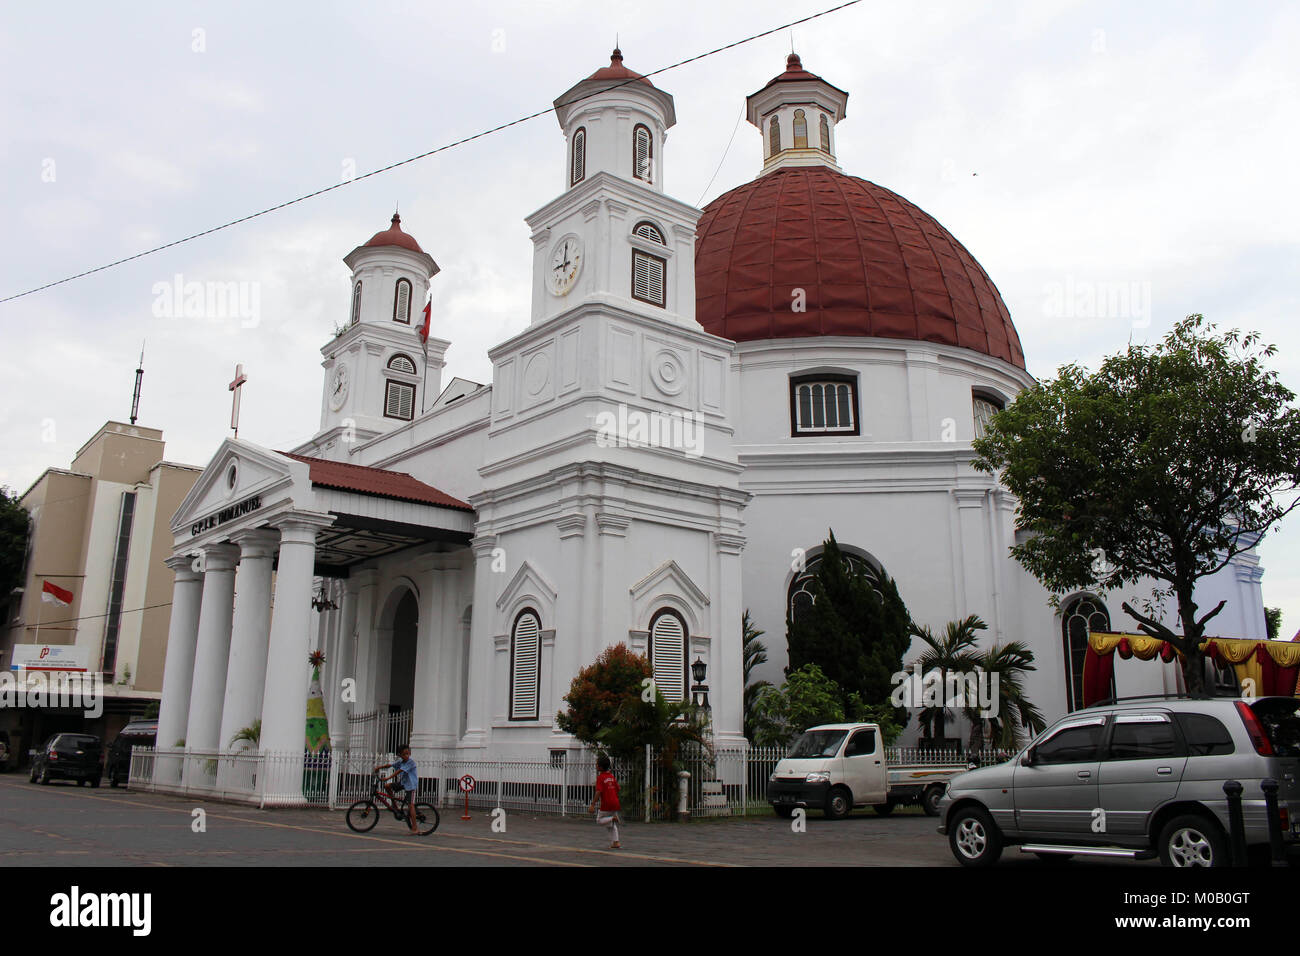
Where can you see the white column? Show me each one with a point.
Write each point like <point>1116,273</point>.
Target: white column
<point>344,667</point>
<point>367,583</point>
<point>480,644</point>
<point>178,672</point>
<point>250,633</point>
<point>434,655</point>
<point>725,675</point>
<point>284,695</point>
<point>215,617</point>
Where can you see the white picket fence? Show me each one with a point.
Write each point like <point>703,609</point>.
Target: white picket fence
<point>719,782</point>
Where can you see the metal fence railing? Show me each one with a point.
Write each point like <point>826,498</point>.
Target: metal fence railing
<point>717,781</point>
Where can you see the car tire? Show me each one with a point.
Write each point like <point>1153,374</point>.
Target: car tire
<point>45,777</point>
<point>930,801</point>
<point>33,773</point>
<point>839,803</point>
<point>1192,840</point>
<point>94,783</point>
<point>974,838</point>
<point>884,809</point>
<point>785,813</point>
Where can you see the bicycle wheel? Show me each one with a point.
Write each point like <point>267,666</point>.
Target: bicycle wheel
<point>426,818</point>
<point>362,816</point>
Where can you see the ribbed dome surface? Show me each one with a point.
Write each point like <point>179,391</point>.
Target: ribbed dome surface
<point>870,263</point>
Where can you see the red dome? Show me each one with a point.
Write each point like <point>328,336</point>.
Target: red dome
<point>870,263</point>
<point>393,236</point>
<point>617,71</point>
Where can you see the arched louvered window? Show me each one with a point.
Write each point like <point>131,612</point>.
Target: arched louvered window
<point>643,154</point>
<point>824,404</point>
<point>402,302</point>
<point>578,168</point>
<point>800,130</point>
<point>825,131</point>
<point>649,272</point>
<point>668,651</point>
<point>402,363</point>
<point>356,303</point>
<point>525,665</point>
<point>773,137</point>
<point>1080,618</point>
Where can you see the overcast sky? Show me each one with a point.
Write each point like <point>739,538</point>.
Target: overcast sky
<point>1074,148</point>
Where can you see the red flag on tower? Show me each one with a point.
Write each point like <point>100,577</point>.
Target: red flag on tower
<point>53,594</point>
<point>424,329</point>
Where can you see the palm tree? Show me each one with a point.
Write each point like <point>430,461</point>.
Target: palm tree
<point>954,652</point>
<point>252,734</point>
<point>755,653</point>
<point>1013,711</point>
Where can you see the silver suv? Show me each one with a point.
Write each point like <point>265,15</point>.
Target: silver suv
<point>1137,779</point>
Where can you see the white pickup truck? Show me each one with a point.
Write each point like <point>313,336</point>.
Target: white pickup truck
<point>836,767</point>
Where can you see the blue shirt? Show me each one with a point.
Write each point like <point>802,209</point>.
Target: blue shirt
<point>410,780</point>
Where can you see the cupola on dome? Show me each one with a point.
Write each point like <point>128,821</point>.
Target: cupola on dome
<point>393,236</point>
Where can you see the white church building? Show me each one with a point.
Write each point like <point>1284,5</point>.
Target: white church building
<point>697,397</point>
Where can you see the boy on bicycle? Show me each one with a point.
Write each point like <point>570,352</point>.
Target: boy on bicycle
<point>403,778</point>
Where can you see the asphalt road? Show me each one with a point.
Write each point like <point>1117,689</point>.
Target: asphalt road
<point>69,826</point>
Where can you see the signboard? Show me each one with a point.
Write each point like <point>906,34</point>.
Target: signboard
<point>247,506</point>
<point>50,657</point>
<point>466,783</point>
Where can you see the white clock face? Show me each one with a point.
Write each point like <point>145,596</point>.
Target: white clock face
<point>339,382</point>
<point>565,266</point>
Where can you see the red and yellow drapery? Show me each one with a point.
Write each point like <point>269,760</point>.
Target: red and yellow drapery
<point>1273,666</point>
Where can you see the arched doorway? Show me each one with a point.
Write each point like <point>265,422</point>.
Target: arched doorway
<point>401,673</point>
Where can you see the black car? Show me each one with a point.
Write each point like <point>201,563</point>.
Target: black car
<point>138,733</point>
<point>78,757</point>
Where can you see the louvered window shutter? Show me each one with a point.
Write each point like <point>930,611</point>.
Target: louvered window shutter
<point>402,304</point>
<point>356,304</point>
<point>399,402</point>
<point>647,278</point>
<point>525,665</point>
<point>579,172</point>
<point>668,656</point>
<point>644,156</point>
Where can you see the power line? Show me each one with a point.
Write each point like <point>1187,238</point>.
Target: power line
<point>419,156</point>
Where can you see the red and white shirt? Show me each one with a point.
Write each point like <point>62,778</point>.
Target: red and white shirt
<point>607,788</point>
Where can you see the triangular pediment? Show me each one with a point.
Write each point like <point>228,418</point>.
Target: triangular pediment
<point>669,577</point>
<point>238,472</point>
<point>527,581</point>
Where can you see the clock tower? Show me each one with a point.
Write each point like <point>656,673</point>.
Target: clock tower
<point>375,375</point>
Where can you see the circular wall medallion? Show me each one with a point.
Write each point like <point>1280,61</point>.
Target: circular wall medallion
<point>537,373</point>
<point>668,372</point>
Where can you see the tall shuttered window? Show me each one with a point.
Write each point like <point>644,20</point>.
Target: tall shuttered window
<point>800,130</point>
<point>402,302</point>
<point>668,648</point>
<point>356,303</point>
<point>1079,619</point>
<point>825,131</point>
<point>984,409</point>
<point>643,153</point>
<point>773,137</point>
<point>525,665</point>
<point>113,620</point>
<point>578,170</point>
<point>648,271</point>
<point>399,401</point>
<point>821,406</point>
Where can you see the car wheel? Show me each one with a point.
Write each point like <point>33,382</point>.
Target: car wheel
<point>838,803</point>
<point>45,776</point>
<point>930,801</point>
<point>94,783</point>
<point>1192,840</point>
<point>974,838</point>
<point>884,809</point>
<point>785,813</point>
<point>33,773</point>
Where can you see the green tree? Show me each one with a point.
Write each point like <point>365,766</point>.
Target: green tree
<point>955,652</point>
<point>1165,464</point>
<point>856,630</point>
<point>754,653</point>
<point>807,698</point>
<point>14,526</point>
<point>1013,712</point>
<point>600,689</point>
<point>1273,620</point>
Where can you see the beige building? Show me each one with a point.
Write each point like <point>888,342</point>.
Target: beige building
<point>100,530</point>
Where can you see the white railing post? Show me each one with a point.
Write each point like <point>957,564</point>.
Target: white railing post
<point>647,783</point>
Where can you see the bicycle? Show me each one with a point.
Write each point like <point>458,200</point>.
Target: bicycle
<point>364,814</point>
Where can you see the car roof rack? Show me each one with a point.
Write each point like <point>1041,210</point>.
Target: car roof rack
<point>1120,700</point>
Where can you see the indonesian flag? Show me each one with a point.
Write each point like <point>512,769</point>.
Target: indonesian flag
<point>54,594</point>
<point>424,329</point>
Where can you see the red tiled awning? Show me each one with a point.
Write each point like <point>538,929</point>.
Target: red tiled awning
<point>375,481</point>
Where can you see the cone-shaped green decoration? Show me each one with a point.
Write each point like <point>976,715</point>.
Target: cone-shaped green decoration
<point>318,731</point>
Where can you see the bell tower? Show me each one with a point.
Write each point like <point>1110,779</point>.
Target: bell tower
<point>375,368</point>
<point>796,113</point>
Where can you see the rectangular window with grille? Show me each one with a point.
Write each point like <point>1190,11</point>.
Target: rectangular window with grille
<point>525,667</point>
<point>821,407</point>
<point>648,278</point>
<point>399,401</point>
<point>113,620</point>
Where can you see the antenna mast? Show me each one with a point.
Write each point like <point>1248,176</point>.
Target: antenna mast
<point>139,376</point>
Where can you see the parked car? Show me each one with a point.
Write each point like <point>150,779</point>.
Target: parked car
<point>76,757</point>
<point>836,767</point>
<point>1137,779</point>
<point>138,733</point>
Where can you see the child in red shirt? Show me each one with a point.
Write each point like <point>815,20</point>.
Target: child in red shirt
<point>607,796</point>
